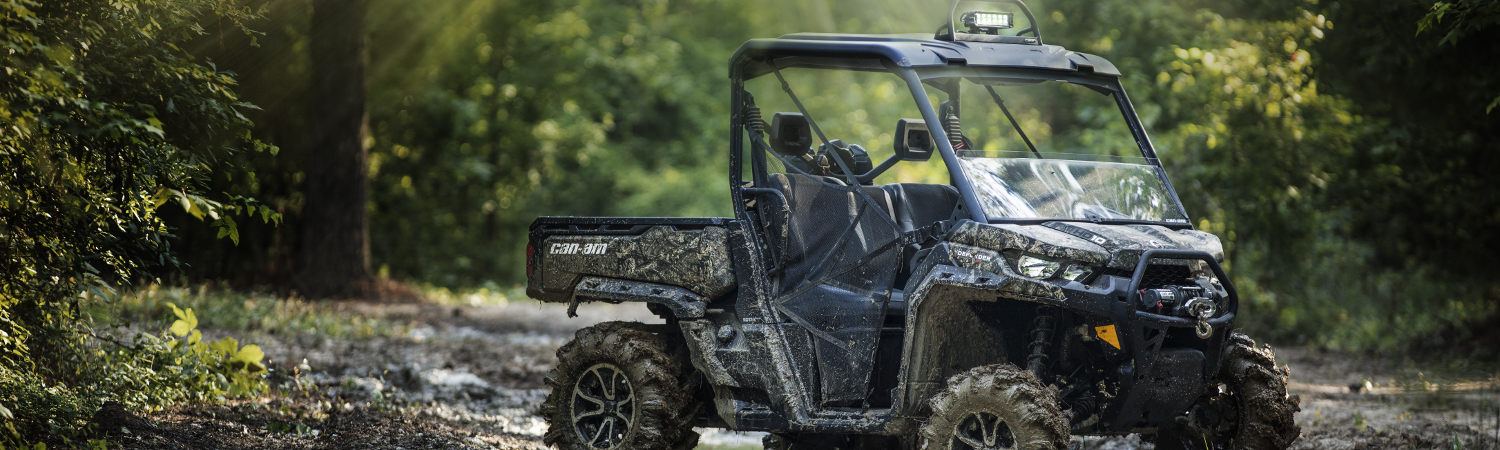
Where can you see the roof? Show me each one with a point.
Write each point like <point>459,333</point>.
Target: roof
<point>854,51</point>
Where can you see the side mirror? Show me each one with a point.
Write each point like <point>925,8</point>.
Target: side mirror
<point>790,134</point>
<point>913,140</point>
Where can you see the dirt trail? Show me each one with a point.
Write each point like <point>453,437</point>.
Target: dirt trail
<point>471,377</point>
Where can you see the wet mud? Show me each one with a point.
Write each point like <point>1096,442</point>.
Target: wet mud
<point>473,377</point>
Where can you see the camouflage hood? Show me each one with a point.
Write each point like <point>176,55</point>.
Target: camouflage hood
<point>1110,245</point>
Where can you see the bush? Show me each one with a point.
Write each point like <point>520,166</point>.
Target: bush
<point>106,119</point>
<point>151,372</point>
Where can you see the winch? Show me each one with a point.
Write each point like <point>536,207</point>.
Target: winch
<point>1194,302</point>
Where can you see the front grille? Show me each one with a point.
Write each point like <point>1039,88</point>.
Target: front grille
<point>1162,275</point>
<point>1159,275</point>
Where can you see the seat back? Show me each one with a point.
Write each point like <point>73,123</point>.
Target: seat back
<point>827,222</point>
<point>917,205</point>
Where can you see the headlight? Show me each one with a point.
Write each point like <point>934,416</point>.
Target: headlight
<point>1034,267</point>
<point>1076,272</point>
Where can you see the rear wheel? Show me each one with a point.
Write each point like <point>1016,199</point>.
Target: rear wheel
<point>617,386</point>
<point>1251,409</point>
<point>995,407</point>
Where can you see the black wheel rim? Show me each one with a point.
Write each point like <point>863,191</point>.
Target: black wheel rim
<point>982,430</point>
<point>603,406</point>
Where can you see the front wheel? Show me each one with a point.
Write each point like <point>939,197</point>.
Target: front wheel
<point>1250,410</point>
<point>995,407</point>
<point>617,386</point>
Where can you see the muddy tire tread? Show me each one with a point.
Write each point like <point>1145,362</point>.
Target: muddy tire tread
<point>662,385</point>
<point>1267,412</point>
<point>1031,410</point>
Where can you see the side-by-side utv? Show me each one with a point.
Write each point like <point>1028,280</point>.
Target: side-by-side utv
<point>1037,279</point>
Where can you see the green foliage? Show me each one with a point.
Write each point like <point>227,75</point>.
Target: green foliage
<point>591,107</point>
<point>230,311</point>
<point>94,143</point>
<point>151,372</point>
<point>1458,20</point>
<point>1348,201</point>
<point>105,118</point>
<point>238,370</point>
<point>1347,168</point>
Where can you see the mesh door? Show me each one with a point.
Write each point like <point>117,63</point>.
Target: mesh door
<point>837,268</point>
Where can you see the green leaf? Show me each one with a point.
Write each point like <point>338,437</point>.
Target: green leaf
<point>226,346</point>
<point>153,126</point>
<point>250,356</point>
<point>187,205</point>
<point>234,229</point>
<point>160,197</point>
<point>186,321</point>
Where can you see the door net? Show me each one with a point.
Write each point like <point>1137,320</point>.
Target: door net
<point>835,265</point>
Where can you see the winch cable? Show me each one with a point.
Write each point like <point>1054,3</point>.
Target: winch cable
<point>1001,102</point>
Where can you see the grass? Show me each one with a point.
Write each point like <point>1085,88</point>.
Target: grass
<point>146,308</point>
<point>488,295</point>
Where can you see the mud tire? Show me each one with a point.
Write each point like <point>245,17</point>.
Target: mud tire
<point>1029,412</point>
<point>1254,391</point>
<point>660,383</point>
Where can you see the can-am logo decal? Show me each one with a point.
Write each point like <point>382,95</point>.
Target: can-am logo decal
<point>574,248</point>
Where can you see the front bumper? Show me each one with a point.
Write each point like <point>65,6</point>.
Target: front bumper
<point>1161,365</point>
<point>1152,370</point>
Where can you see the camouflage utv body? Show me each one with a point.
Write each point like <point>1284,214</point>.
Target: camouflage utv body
<point>832,311</point>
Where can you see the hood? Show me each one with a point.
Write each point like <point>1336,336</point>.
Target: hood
<point>1111,245</point>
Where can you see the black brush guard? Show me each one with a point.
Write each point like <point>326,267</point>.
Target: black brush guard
<point>1169,367</point>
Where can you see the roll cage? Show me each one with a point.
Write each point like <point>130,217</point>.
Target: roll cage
<point>918,60</point>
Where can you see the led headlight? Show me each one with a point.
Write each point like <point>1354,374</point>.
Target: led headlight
<point>1076,272</point>
<point>1034,267</point>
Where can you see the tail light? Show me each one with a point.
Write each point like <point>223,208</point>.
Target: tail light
<point>530,261</point>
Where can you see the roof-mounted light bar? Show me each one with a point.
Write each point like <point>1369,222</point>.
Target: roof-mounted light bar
<point>990,21</point>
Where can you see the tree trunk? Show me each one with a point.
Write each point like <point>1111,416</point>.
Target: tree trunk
<point>335,258</point>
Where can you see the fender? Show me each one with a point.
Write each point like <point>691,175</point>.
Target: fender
<point>938,319</point>
<point>683,303</point>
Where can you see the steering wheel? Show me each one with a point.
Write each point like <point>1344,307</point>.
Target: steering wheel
<point>844,153</point>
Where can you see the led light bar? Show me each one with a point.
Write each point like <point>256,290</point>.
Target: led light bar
<point>995,21</point>
<point>990,20</point>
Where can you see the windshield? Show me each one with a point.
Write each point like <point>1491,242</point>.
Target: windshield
<point>1046,149</point>
<point>1021,186</point>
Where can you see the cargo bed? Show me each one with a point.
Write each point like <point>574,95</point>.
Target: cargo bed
<point>691,253</point>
